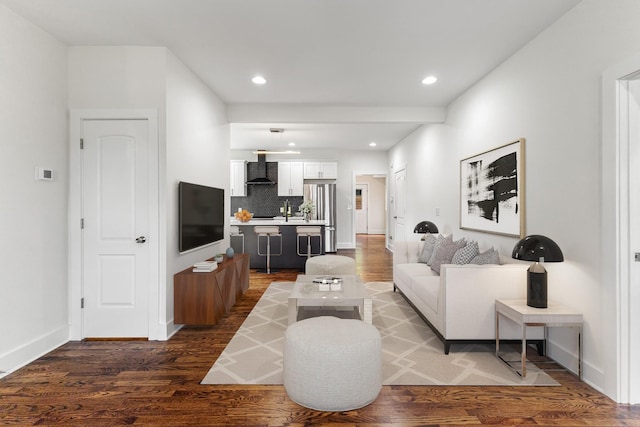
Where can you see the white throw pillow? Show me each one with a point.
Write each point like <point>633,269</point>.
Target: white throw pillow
<point>427,249</point>
<point>439,240</point>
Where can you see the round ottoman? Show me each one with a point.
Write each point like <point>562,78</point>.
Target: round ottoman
<point>332,364</point>
<point>330,264</point>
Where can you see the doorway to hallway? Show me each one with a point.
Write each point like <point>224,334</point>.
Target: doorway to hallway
<point>370,211</point>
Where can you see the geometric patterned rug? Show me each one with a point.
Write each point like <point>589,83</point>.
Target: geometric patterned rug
<point>412,354</point>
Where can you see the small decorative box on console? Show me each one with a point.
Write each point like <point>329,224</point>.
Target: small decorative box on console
<point>328,283</point>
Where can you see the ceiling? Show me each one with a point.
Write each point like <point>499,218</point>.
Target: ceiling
<point>340,73</point>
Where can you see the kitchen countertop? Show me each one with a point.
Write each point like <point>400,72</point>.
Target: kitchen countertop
<point>278,221</point>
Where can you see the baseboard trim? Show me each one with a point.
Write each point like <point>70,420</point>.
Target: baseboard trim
<point>171,329</point>
<point>21,356</point>
<point>376,231</point>
<point>345,245</point>
<point>569,359</point>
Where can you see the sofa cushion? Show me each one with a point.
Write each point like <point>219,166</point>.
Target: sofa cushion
<point>426,288</point>
<point>445,253</point>
<point>489,256</point>
<point>466,254</point>
<point>439,240</point>
<point>427,249</point>
<point>405,273</point>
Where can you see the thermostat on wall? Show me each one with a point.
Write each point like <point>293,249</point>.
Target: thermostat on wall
<point>43,174</point>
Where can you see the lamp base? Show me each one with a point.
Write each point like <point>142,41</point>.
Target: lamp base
<point>537,286</point>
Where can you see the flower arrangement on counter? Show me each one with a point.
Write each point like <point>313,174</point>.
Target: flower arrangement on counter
<point>243,215</point>
<point>307,209</point>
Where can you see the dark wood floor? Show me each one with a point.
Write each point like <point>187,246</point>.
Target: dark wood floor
<point>108,383</point>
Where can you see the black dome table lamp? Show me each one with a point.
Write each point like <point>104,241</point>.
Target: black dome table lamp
<point>425,227</point>
<point>538,249</point>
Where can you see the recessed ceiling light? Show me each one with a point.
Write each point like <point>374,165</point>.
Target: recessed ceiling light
<point>292,144</point>
<point>259,80</point>
<point>429,80</point>
<point>372,144</point>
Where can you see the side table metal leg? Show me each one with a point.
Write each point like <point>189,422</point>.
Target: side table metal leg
<point>497,334</point>
<point>523,356</point>
<point>580,352</point>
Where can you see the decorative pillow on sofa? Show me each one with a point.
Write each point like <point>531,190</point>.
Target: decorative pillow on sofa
<point>439,240</point>
<point>427,249</point>
<point>466,254</point>
<point>445,252</point>
<point>490,256</point>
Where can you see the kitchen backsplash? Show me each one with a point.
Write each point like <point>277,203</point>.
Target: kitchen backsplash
<point>263,201</point>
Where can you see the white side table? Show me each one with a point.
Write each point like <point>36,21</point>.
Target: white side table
<point>554,315</point>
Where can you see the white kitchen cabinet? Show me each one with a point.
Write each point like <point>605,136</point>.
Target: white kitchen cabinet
<point>320,170</point>
<point>238,187</point>
<point>290,178</point>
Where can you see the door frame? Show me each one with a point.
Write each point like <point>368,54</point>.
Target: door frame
<point>77,116</point>
<point>616,248</point>
<point>366,186</point>
<point>352,201</point>
<point>394,206</point>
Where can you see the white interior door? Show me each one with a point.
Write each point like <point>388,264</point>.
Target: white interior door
<point>400,205</point>
<point>115,212</point>
<point>633,126</point>
<point>362,209</point>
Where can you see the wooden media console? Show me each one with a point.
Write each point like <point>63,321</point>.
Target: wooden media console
<point>204,298</point>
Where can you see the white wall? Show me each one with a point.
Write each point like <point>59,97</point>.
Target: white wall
<point>549,93</point>
<point>193,134</point>
<point>33,217</point>
<point>118,77</point>
<point>349,162</point>
<point>117,80</point>
<point>197,151</point>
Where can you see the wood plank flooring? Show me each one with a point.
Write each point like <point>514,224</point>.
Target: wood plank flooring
<point>108,383</point>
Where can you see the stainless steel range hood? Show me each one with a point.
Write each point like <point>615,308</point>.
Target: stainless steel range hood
<point>261,178</point>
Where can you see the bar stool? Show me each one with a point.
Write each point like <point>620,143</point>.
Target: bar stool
<point>309,232</point>
<point>268,231</point>
<point>234,231</point>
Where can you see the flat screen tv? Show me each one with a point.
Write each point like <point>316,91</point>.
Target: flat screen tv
<point>201,215</point>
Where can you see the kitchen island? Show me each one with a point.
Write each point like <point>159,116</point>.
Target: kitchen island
<point>289,257</point>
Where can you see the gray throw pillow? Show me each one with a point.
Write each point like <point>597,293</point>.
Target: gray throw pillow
<point>427,249</point>
<point>445,253</point>
<point>490,256</point>
<point>466,254</point>
<point>439,240</point>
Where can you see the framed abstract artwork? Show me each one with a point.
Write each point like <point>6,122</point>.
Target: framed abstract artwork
<point>492,191</point>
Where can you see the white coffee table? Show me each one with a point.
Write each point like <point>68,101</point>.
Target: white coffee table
<point>306,293</point>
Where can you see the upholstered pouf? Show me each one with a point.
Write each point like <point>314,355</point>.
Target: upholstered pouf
<point>332,364</point>
<point>330,264</point>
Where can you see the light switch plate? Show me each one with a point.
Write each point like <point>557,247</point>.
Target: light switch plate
<point>43,174</point>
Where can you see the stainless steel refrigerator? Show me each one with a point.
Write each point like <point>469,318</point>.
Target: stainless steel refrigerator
<point>323,196</point>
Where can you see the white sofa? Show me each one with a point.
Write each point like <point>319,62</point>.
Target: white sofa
<point>459,304</point>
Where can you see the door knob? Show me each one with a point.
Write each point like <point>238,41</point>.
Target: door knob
<point>141,239</point>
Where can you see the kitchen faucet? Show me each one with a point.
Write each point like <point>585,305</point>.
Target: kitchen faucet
<point>287,210</point>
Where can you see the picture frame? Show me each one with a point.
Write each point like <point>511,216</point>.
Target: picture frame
<point>492,191</point>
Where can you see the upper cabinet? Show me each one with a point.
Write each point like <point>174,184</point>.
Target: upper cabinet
<point>290,179</point>
<point>320,170</point>
<point>238,187</point>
